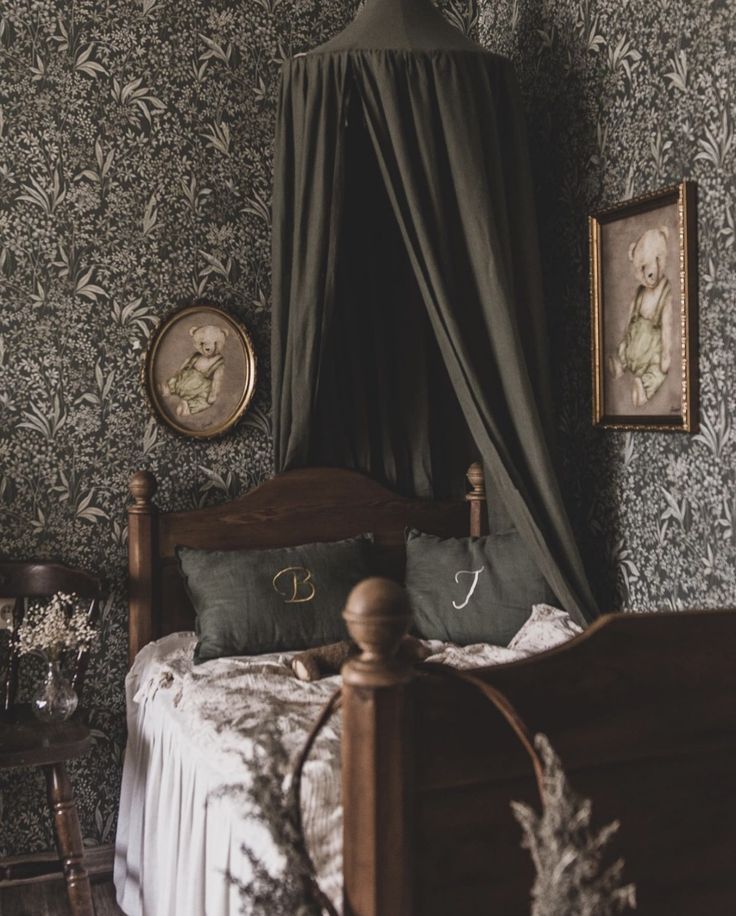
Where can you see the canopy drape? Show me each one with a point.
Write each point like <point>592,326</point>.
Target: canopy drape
<point>407,305</point>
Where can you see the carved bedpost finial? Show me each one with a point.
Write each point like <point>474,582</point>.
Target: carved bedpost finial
<point>142,557</point>
<point>377,615</point>
<point>476,481</point>
<point>143,487</point>
<point>477,499</point>
<point>377,751</point>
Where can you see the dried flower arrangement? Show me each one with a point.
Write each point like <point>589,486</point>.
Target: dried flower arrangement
<point>571,879</point>
<point>61,623</point>
<point>274,792</point>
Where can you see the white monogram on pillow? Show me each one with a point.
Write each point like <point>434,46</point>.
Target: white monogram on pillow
<point>475,573</point>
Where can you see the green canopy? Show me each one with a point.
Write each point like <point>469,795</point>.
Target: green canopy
<point>408,328</point>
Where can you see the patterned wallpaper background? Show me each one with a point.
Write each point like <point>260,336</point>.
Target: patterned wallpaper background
<point>135,160</point>
<point>624,97</point>
<point>135,171</point>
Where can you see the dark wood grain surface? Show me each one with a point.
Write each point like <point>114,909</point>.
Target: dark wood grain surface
<point>640,708</point>
<point>49,899</point>
<point>24,741</point>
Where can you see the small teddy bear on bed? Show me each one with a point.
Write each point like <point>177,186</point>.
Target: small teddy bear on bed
<point>646,347</point>
<point>324,661</point>
<point>198,381</point>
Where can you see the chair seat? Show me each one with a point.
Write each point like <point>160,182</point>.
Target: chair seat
<point>24,741</point>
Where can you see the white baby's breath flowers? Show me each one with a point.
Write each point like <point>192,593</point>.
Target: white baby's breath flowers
<point>60,624</point>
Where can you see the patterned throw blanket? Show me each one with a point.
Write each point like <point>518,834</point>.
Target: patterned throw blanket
<point>213,714</point>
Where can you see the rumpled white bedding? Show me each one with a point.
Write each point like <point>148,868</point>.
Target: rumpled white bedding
<point>192,730</point>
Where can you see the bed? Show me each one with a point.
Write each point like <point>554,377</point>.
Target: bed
<point>641,708</point>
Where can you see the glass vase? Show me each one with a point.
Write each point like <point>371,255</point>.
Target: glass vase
<point>56,699</point>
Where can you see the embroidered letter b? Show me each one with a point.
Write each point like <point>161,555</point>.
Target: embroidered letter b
<point>294,584</point>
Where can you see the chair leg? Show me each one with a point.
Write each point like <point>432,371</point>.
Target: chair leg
<point>69,839</point>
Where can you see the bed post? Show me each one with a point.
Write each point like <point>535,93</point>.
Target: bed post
<point>141,548</point>
<point>477,499</point>
<point>376,754</point>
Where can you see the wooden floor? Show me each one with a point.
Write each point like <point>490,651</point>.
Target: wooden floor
<point>49,899</point>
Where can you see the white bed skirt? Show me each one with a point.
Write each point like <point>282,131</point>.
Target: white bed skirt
<point>175,843</point>
<point>178,840</point>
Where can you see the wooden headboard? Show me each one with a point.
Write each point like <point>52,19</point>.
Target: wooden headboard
<point>297,507</point>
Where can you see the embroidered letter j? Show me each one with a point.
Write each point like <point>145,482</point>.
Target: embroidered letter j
<point>475,573</point>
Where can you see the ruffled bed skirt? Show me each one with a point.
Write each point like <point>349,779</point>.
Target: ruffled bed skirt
<point>183,815</point>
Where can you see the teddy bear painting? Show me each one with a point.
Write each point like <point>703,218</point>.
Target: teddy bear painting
<point>199,379</point>
<point>200,370</point>
<point>643,292</point>
<point>645,350</point>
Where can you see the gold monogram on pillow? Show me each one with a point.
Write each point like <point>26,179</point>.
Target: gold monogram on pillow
<point>294,584</point>
<point>475,573</point>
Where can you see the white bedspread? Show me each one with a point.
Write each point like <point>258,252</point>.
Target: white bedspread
<point>184,812</point>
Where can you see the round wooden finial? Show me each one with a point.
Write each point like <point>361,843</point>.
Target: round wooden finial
<point>377,615</point>
<point>476,481</point>
<point>142,487</point>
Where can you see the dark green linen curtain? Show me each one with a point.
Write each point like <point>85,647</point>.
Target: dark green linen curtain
<point>407,305</point>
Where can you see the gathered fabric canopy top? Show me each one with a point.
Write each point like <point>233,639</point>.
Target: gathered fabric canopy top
<point>408,328</point>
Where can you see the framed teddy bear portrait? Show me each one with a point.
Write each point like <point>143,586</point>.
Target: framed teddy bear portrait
<point>200,371</point>
<point>644,303</point>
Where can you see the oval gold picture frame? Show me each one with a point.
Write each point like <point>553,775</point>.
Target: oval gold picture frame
<point>199,371</point>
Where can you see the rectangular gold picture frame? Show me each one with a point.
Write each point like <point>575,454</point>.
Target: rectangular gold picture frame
<point>643,292</point>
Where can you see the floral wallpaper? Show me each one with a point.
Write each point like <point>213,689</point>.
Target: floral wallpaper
<point>135,163</point>
<point>625,97</point>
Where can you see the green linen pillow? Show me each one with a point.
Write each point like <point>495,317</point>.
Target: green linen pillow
<point>471,590</point>
<point>253,601</point>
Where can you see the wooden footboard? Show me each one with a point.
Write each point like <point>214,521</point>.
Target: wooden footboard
<point>641,709</point>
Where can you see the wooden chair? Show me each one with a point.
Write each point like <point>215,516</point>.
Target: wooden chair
<point>25,741</point>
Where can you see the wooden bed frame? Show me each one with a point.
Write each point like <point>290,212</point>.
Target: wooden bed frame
<point>641,709</point>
